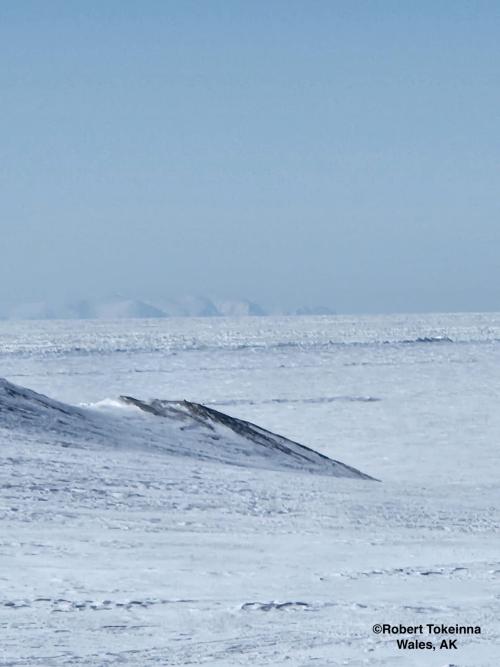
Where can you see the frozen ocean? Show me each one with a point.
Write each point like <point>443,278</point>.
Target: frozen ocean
<point>128,540</point>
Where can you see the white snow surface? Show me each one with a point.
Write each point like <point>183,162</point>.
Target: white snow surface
<point>119,548</point>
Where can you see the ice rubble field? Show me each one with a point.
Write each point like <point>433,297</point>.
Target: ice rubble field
<point>120,551</point>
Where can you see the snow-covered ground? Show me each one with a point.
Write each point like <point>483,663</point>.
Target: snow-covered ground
<point>118,548</point>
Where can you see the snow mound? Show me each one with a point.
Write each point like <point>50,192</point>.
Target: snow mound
<point>184,429</point>
<point>243,436</point>
<point>20,406</point>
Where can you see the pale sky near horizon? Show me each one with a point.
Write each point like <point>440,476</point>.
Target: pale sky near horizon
<point>294,153</point>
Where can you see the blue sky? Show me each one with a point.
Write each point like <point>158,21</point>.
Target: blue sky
<point>336,153</point>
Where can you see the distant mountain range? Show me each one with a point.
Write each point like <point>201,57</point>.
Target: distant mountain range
<point>118,307</point>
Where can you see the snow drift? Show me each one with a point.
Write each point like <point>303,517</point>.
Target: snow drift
<point>178,428</point>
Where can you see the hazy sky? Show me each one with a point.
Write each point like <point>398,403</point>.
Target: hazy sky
<point>343,153</point>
